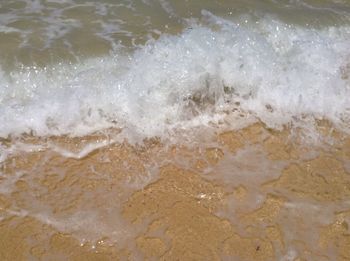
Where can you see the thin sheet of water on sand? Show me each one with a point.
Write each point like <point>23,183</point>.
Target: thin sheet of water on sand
<point>253,194</point>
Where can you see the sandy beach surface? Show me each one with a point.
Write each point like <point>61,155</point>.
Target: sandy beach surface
<point>250,194</point>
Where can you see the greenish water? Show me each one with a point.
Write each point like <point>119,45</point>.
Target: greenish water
<point>44,32</point>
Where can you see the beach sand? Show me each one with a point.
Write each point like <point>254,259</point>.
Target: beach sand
<point>249,194</point>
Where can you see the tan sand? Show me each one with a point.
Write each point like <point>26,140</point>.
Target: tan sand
<point>253,194</point>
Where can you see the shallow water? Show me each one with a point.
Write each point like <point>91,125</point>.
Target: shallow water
<point>252,194</point>
<point>174,130</point>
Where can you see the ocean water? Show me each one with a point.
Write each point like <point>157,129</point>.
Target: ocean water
<point>151,68</point>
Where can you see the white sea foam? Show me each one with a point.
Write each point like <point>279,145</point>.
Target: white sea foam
<point>277,72</point>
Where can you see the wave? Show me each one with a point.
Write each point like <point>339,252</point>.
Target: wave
<point>266,68</point>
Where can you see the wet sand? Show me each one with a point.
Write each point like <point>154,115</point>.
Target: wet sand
<point>250,194</point>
